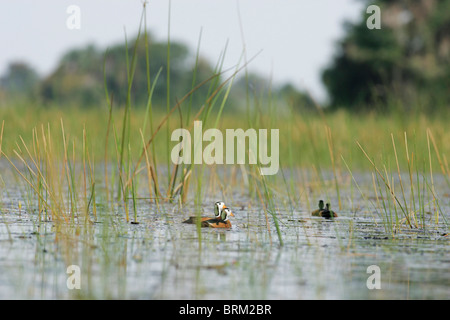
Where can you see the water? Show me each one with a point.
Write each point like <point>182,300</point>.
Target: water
<point>161,258</point>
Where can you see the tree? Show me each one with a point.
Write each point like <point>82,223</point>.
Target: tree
<point>76,80</point>
<point>79,77</point>
<point>20,79</point>
<point>298,100</point>
<point>407,60</point>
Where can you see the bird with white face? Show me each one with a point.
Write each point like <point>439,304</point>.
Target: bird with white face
<point>221,217</point>
<point>218,207</point>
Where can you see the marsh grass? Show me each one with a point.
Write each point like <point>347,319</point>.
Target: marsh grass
<point>44,153</point>
<point>398,208</point>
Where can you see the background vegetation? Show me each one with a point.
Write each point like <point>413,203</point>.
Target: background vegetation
<point>394,80</point>
<point>403,66</point>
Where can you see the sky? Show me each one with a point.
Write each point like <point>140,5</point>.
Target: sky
<point>293,40</point>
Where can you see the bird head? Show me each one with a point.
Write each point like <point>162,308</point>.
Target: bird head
<point>321,205</point>
<point>218,208</point>
<point>226,213</point>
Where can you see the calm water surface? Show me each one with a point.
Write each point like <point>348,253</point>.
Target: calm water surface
<point>161,258</point>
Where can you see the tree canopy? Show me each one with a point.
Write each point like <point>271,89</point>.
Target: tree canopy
<point>82,75</point>
<point>405,63</point>
<point>19,77</point>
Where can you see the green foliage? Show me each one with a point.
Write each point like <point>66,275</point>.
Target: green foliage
<point>20,80</point>
<point>76,80</point>
<point>300,101</point>
<point>405,62</point>
<point>79,77</point>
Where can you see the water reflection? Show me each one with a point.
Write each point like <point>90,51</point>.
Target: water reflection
<point>161,258</point>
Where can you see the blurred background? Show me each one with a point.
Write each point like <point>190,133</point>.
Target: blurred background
<point>306,53</point>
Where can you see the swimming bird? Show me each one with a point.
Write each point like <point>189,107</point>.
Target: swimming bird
<point>328,213</point>
<point>220,221</point>
<point>324,212</point>
<point>317,212</point>
<point>223,222</point>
